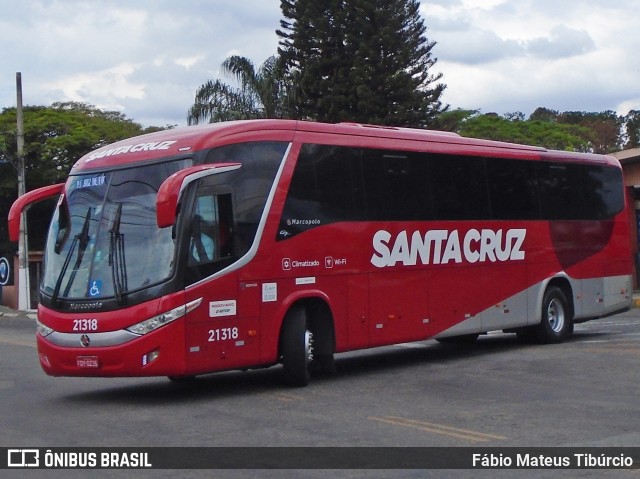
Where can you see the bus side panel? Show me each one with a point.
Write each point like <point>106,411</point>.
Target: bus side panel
<point>617,293</point>
<point>456,299</point>
<point>222,344</point>
<point>399,306</point>
<point>618,283</point>
<point>223,332</point>
<point>357,313</point>
<point>508,312</point>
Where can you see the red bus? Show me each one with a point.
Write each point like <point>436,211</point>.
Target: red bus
<point>247,244</point>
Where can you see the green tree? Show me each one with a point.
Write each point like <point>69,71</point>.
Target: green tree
<point>632,129</point>
<point>452,120</point>
<point>544,114</point>
<point>606,128</point>
<point>261,93</point>
<point>366,61</point>
<point>597,132</point>
<point>547,134</point>
<point>54,138</point>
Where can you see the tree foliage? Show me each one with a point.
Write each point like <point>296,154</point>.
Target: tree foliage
<point>261,94</point>
<point>632,129</point>
<point>605,127</point>
<point>601,132</point>
<point>367,61</point>
<point>54,138</point>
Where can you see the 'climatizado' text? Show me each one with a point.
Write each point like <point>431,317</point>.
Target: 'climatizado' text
<point>444,246</point>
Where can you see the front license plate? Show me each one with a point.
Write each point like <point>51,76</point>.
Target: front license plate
<point>87,362</point>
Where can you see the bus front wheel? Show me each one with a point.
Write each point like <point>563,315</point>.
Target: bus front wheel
<point>296,348</point>
<point>556,323</point>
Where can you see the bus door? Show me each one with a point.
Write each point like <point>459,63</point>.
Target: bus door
<point>224,333</point>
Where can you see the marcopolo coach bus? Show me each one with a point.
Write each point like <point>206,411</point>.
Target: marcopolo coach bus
<point>246,244</point>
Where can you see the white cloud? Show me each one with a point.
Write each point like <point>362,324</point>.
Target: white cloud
<point>109,84</point>
<point>147,58</point>
<point>188,62</point>
<point>132,55</point>
<point>517,56</point>
<point>563,42</point>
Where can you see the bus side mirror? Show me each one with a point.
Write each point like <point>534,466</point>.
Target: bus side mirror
<point>171,189</point>
<point>26,200</point>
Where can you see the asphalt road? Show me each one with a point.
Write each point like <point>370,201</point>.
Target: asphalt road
<point>498,393</point>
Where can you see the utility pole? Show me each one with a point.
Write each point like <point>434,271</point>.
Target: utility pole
<point>23,248</point>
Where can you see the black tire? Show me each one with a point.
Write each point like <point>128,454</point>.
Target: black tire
<point>296,347</point>
<point>556,322</point>
<point>527,334</point>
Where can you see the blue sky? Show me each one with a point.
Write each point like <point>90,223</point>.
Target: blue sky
<point>146,58</point>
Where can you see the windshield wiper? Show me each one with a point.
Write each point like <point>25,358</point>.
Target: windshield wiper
<point>117,259</point>
<point>63,227</point>
<point>82,239</point>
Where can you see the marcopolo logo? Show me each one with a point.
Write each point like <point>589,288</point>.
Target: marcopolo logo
<point>444,246</point>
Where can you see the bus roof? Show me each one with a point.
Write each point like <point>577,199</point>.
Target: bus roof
<point>190,139</point>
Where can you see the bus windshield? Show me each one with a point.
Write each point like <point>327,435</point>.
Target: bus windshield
<point>103,240</point>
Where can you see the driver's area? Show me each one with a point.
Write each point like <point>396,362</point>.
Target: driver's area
<point>210,245</point>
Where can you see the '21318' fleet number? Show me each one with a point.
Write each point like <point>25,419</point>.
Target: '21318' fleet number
<point>223,334</point>
<point>85,324</point>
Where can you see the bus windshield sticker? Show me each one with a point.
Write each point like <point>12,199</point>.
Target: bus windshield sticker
<point>90,182</point>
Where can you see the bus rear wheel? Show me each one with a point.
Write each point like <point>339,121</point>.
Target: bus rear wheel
<point>556,322</point>
<point>296,348</point>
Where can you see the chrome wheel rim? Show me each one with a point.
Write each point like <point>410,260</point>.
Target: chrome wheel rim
<point>555,315</point>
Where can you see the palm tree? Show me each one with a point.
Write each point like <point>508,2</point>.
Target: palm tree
<point>262,93</point>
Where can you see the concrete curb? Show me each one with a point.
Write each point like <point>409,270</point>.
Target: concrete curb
<point>8,313</point>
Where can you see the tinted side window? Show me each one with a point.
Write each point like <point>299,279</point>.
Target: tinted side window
<point>513,189</point>
<point>332,184</point>
<point>325,188</point>
<point>605,188</point>
<point>562,192</point>
<point>580,192</point>
<point>459,187</point>
<point>396,186</point>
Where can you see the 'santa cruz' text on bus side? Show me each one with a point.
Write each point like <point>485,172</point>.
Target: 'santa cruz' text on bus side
<point>444,246</point>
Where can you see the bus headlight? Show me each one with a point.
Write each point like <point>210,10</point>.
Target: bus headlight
<point>43,330</point>
<point>160,320</point>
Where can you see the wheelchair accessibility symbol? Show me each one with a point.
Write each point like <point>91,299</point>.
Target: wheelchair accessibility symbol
<point>96,287</point>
